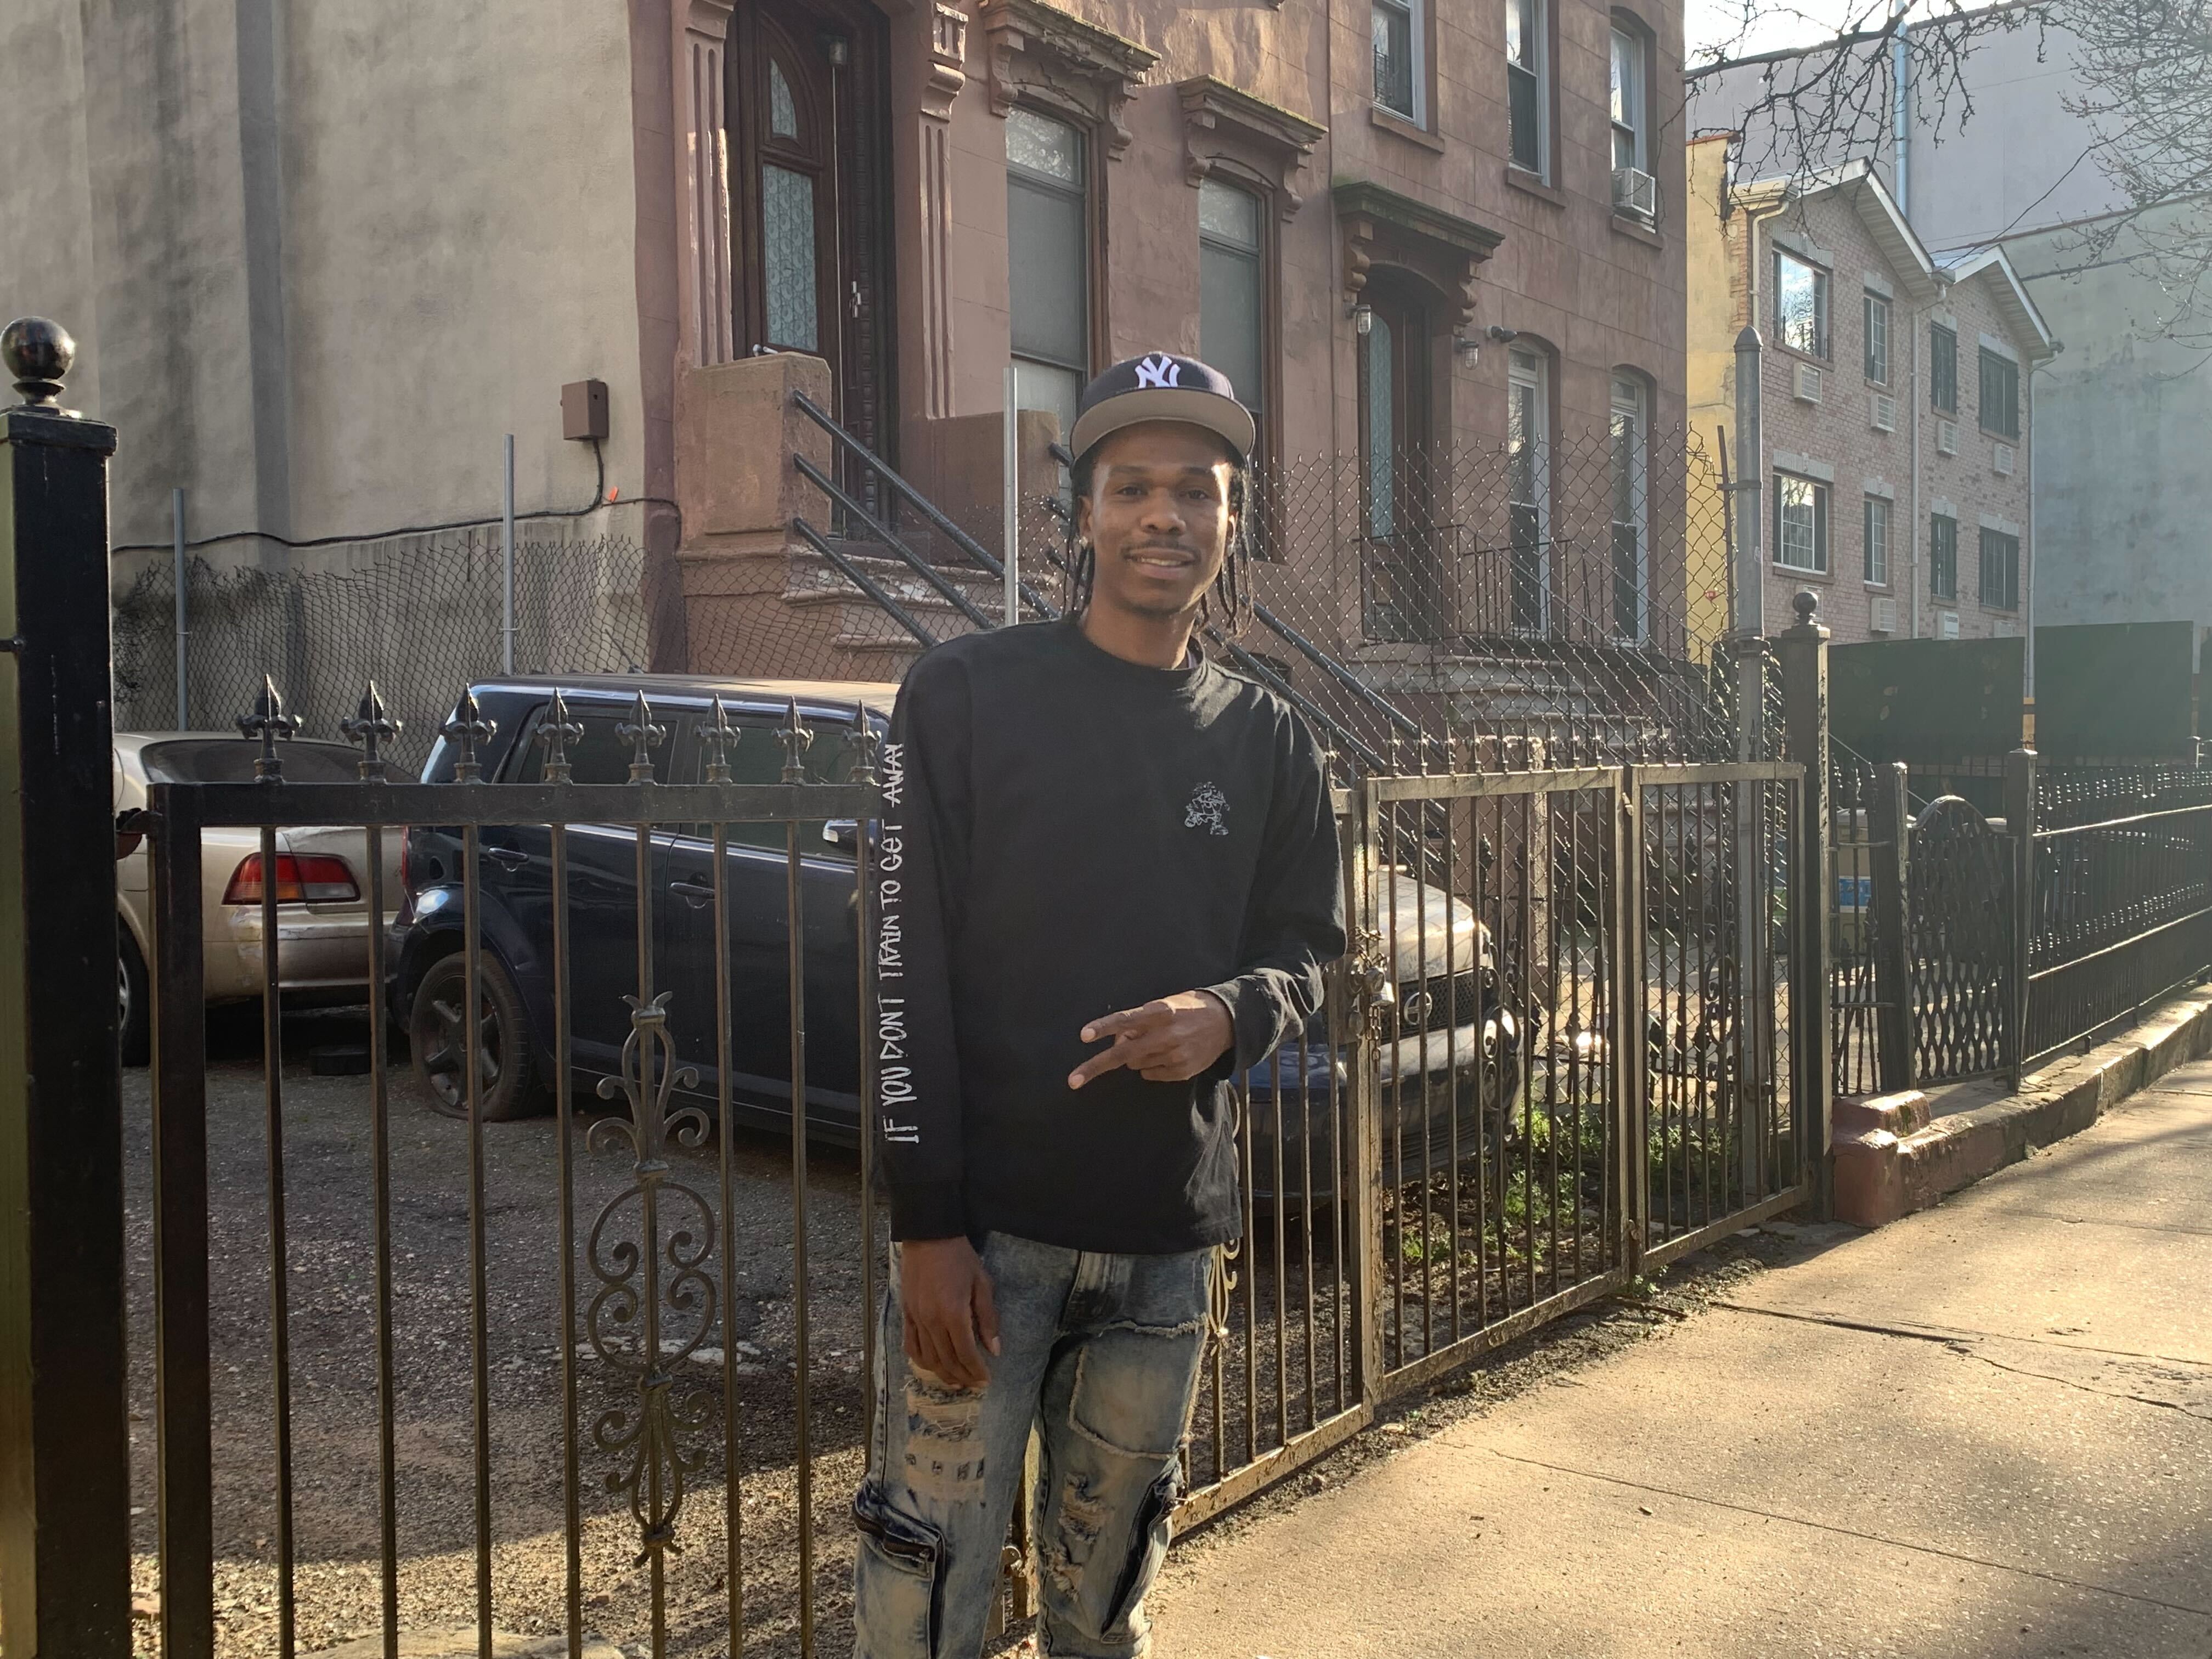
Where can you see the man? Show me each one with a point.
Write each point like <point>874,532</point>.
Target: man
<point>1108,885</point>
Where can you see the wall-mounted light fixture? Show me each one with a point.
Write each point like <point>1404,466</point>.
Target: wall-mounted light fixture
<point>1363,319</point>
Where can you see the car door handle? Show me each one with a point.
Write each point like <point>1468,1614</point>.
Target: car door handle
<point>509,858</point>
<point>697,895</point>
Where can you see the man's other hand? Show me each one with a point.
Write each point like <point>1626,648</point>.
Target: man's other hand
<point>1169,1041</point>
<point>951,1319</point>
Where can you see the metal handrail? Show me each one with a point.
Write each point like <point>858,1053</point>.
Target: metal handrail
<point>884,533</point>
<point>914,498</point>
<point>1344,677</point>
<point>861,580</point>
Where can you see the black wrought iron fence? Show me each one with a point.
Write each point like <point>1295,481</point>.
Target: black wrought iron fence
<point>2118,905</point>
<point>2007,957</point>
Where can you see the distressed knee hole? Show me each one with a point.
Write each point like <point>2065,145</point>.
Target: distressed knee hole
<point>944,1458</point>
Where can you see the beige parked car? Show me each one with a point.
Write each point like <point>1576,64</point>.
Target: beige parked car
<point>323,932</point>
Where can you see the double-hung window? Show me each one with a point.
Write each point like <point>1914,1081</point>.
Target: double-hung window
<point>1801,524</point>
<point>1876,318</point>
<point>1399,29</point>
<point>1942,369</point>
<point>1527,52</point>
<point>1049,261</point>
<point>1943,557</point>
<point>1999,570</point>
<point>1801,304</point>
<point>1232,291</point>
<point>2000,395</point>
<point>1877,541</point>
<point>1628,101</point>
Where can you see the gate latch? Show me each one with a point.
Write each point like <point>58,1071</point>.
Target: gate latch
<point>1378,988</point>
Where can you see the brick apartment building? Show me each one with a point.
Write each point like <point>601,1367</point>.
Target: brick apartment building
<point>1896,392</point>
<point>315,284</point>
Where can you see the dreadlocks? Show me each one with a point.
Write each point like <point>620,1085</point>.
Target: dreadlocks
<point>1229,590</point>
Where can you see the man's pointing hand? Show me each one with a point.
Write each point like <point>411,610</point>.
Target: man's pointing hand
<point>1168,1041</point>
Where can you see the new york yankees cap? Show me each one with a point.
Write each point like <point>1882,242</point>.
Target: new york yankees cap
<point>1160,386</point>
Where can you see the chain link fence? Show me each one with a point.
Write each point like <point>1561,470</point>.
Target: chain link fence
<point>1493,607</point>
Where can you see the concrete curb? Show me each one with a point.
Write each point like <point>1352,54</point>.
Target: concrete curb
<point>1892,1157</point>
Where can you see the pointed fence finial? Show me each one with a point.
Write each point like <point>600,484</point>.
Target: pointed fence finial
<point>718,737</point>
<point>556,732</point>
<point>643,737</point>
<point>794,736</point>
<point>468,728</point>
<point>372,728</point>
<point>268,722</point>
<point>867,744</point>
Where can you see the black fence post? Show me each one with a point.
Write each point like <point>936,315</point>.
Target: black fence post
<point>65,1446</point>
<point>1890,847</point>
<point>2019,820</point>
<point>1803,650</point>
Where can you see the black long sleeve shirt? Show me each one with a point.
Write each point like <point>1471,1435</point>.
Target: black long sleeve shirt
<point>1066,834</point>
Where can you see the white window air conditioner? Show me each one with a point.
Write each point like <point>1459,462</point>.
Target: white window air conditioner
<point>1881,411</point>
<point>1635,192</point>
<point>2001,457</point>
<point>1806,387</point>
<point>1947,437</point>
<point>1884,619</point>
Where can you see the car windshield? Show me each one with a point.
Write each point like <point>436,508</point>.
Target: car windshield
<point>230,760</point>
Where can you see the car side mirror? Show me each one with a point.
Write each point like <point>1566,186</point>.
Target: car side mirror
<point>843,833</point>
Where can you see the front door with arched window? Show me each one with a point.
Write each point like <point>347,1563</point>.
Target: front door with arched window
<point>810,204</point>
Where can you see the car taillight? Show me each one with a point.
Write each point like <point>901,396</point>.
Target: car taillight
<point>406,863</point>
<point>313,879</point>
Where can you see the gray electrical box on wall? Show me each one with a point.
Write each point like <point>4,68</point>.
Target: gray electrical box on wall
<point>584,409</point>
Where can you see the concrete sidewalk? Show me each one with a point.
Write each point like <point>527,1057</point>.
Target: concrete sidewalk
<point>1986,1430</point>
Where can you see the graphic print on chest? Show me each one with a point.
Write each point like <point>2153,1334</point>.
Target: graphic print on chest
<point>1208,811</point>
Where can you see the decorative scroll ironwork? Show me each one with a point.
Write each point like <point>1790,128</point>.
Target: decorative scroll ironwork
<point>1959,912</point>
<point>659,1272</point>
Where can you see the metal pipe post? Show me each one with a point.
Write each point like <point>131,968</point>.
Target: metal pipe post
<point>183,680</point>
<point>1804,652</point>
<point>506,563</point>
<point>1750,616</point>
<point>1013,471</point>
<point>2020,821</point>
<point>64,1450</point>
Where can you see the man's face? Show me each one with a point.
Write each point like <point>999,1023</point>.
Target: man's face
<point>1157,517</point>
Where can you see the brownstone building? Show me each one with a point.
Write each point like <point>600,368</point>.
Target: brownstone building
<point>319,272</point>
<point>1416,235</point>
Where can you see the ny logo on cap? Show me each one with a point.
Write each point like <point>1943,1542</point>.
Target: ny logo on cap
<point>1159,369</point>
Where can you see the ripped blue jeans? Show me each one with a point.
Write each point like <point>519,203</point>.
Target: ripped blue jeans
<point>1101,1354</point>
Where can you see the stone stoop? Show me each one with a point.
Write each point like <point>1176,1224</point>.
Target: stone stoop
<point>1893,1156</point>
<point>864,628</point>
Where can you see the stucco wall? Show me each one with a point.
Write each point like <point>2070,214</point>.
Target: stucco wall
<point>323,256</point>
<point>46,207</point>
<point>2124,495</point>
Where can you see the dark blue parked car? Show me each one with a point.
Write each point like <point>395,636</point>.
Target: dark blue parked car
<point>1447,1022</point>
<point>516,901</point>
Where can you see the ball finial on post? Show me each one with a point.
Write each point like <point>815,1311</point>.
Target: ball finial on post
<point>37,353</point>
<point>1807,603</point>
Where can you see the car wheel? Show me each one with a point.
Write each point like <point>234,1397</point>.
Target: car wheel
<point>437,1036</point>
<point>134,998</point>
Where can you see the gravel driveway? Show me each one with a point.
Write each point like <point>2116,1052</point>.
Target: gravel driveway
<point>328,1172</point>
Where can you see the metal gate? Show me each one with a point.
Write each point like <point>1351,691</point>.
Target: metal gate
<point>1616,1092</point>
<point>591,1421</point>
